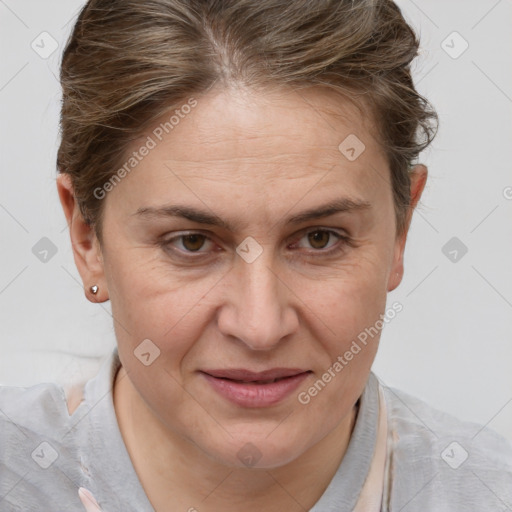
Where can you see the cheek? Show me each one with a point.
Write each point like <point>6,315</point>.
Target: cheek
<point>167,308</point>
<point>347,314</point>
<point>352,300</point>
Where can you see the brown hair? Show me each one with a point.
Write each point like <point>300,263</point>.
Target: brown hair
<point>128,62</point>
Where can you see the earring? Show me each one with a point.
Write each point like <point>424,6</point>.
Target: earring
<point>94,289</point>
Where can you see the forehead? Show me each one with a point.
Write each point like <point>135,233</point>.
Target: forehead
<point>273,146</point>
<point>272,127</point>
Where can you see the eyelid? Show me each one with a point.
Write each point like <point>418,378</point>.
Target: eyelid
<point>345,238</point>
<point>314,229</point>
<point>182,234</point>
<point>331,250</point>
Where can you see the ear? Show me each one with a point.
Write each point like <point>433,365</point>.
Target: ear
<point>86,247</point>
<point>418,176</point>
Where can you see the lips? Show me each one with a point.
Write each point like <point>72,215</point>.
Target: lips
<point>246,388</point>
<point>264,377</point>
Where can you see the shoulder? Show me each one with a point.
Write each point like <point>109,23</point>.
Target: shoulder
<point>39,406</point>
<point>438,460</point>
<point>413,417</point>
<point>37,450</point>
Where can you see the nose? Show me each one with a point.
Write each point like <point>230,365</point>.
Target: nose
<point>258,311</point>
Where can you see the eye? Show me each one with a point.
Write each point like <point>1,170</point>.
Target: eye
<point>319,240</point>
<point>187,243</point>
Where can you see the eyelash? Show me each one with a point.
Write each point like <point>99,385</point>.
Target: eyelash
<point>344,242</point>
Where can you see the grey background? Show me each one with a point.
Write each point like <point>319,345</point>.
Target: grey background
<point>451,345</point>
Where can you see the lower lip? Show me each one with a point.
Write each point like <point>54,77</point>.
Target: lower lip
<point>255,395</point>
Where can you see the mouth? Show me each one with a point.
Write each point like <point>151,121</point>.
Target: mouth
<point>246,388</point>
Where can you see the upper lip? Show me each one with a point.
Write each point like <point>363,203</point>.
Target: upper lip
<point>242,374</point>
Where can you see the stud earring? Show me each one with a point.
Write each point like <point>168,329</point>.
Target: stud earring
<point>94,289</point>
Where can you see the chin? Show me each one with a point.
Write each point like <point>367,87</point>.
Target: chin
<point>257,451</point>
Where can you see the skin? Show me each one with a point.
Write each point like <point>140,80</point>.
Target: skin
<point>253,159</point>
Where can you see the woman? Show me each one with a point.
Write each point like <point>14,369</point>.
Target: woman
<point>239,178</point>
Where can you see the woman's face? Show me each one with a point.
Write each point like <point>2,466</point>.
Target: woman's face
<point>253,283</point>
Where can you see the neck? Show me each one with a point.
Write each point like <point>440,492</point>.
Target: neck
<point>173,470</point>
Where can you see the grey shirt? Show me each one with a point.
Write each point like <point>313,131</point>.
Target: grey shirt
<point>434,461</point>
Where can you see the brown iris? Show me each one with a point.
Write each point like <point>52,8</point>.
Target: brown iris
<point>316,237</point>
<point>196,241</point>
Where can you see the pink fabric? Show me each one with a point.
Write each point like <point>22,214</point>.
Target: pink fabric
<point>370,499</point>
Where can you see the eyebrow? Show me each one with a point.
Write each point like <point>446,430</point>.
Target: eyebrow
<point>345,205</point>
